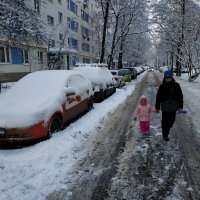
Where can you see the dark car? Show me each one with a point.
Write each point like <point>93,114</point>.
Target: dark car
<point>133,72</point>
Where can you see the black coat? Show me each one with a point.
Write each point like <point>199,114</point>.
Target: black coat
<point>166,91</point>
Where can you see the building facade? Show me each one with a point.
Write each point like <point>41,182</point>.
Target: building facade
<point>70,38</point>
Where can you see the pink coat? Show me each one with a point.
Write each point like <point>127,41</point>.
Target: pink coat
<point>142,112</point>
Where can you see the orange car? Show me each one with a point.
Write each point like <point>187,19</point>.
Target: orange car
<point>41,103</point>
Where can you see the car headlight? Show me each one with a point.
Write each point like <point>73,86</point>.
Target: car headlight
<point>2,131</point>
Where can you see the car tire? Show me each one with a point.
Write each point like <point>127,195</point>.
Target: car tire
<point>104,95</point>
<point>55,125</point>
<point>120,84</point>
<point>90,104</point>
<point>114,90</point>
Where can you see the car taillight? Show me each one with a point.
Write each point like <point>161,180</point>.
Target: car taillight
<point>116,78</point>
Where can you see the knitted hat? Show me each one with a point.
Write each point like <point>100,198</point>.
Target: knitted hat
<point>143,97</point>
<point>168,74</point>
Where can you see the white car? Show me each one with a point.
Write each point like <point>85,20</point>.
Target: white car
<point>103,82</point>
<point>120,80</point>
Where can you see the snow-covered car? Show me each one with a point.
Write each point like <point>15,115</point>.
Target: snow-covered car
<point>151,69</point>
<point>139,70</point>
<point>102,80</point>
<point>119,80</point>
<point>41,103</point>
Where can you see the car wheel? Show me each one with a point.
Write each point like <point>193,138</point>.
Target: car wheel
<point>90,104</point>
<point>55,125</point>
<point>120,84</point>
<point>114,90</point>
<point>104,95</point>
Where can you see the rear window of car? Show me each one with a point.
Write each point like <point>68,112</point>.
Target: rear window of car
<point>123,72</point>
<point>114,73</point>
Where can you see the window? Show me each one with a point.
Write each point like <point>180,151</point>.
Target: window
<point>50,20</point>
<point>86,60</point>
<point>84,16</point>
<point>4,55</point>
<point>93,49</point>
<point>72,6</point>
<point>85,47</point>
<point>40,57</point>
<point>60,36</point>
<point>85,3</point>
<point>85,32</point>
<point>60,17</point>
<point>73,25</point>
<point>74,60</point>
<point>26,59</point>
<point>37,5</point>
<point>52,43</point>
<point>92,21</point>
<point>73,43</point>
<point>17,55</point>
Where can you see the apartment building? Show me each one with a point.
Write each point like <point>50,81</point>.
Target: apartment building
<point>70,38</point>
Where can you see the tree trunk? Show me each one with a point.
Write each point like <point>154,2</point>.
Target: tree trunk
<point>104,31</point>
<point>120,64</point>
<point>113,42</point>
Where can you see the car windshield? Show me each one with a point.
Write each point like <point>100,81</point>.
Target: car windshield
<point>123,72</point>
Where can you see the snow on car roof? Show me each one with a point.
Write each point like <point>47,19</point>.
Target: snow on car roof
<point>95,74</point>
<point>114,70</point>
<point>34,98</point>
<point>91,65</point>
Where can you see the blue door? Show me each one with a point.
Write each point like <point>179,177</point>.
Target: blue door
<point>17,55</point>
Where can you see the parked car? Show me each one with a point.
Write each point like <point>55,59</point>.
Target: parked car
<point>139,70</point>
<point>132,71</point>
<point>151,69</point>
<point>40,104</point>
<point>103,82</point>
<point>126,73</point>
<point>120,80</point>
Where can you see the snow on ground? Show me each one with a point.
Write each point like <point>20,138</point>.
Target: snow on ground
<point>34,172</point>
<point>191,93</point>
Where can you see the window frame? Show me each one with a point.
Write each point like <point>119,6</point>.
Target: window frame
<point>6,54</point>
<point>40,57</point>
<point>37,6</point>
<point>60,18</point>
<point>50,20</point>
<point>26,56</point>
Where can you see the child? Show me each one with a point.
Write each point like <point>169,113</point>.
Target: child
<point>142,112</point>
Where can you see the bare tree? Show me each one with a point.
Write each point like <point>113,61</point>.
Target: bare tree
<point>20,23</point>
<point>178,29</point>
<point>105,9</point>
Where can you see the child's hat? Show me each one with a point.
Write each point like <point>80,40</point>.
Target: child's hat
<point>168,74</point>
<point>143,97</point>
